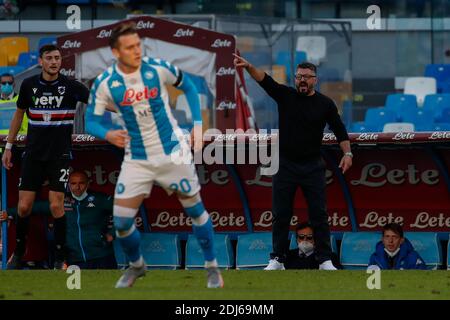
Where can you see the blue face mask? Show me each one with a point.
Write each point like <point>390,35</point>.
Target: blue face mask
<point>6,89</point>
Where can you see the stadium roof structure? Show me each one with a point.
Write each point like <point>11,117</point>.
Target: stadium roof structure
<point>198,51</point>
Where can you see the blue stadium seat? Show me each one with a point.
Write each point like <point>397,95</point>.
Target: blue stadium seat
<point>422,119</point>
<point>448,253</point>
<point>445,115</point>
<point>428,246</point>
<point>293,243</point>
<point>12,70</point>
<point>253,250</point>
<point>224,251</point>
<point>441,126</point>
<point>46,40</point>
<point>258,58</point>
<point>27,59</point>
<point>284,58</point>
<point>161,250</point>
<point>399,102</point>
<point>357,247</point>
<point>328,74</point>
<point>6,115</point>
<point>359,127</point>
<point>436,103</point>
<point>441,72</point>
<point>376,118</point>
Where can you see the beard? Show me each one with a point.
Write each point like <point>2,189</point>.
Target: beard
<point>304,89</point>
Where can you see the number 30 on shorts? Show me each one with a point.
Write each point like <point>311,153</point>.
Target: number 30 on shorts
<point>183,186</point>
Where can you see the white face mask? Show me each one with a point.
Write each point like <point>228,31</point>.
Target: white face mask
<point>305,247</point>
<point>80,198</point>
<point>392,254</point>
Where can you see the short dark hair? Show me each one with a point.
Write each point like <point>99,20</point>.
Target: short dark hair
<point>80,172</point>
<point>120,30</point>
<point>303,225</point>
<point>47,48</point>
<point>307,65</point>
<point>7,75</point>
<point>395,227</point>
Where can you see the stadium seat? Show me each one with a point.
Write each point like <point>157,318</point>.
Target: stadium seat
<point>258,58</point>
<point>357,247</point>
<point>421,118</point>
<point>441,72</point>
<point>428,246</point>
<point>253,250</point>
<point>445,115</point>
<point>6,114</point>
<point>376,118</point>
<point>293,243</point>
<point>399,102</point>
<point>245,44</point>
<point>11,47</point>
<point>161,250</point>
<point>314,46</point>
<point>436,103</point>
<point>284,58</point>
<point>28,59</point>
<point>359,127</point>
<point>46,40</point>
<point>339,91</point>
<point>448,253</point>
<point>420,87</point>
<point>279,74</point>
<point>12,70</point>
<point>224,250</point>
<point>399,127</point>
<point>441,126</point>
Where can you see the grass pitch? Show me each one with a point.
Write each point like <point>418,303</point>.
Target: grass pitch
<point>257,285</point>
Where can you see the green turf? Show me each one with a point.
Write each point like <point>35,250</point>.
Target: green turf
<point>260,285</point>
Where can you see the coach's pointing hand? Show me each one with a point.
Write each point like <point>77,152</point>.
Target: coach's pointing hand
<point>6,159</point>
<point>240,62</point>
<point>119,138</point>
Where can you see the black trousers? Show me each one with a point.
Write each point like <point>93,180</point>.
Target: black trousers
<point>309,175</point>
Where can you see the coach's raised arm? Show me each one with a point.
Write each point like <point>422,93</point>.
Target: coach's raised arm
<point>303,115</point>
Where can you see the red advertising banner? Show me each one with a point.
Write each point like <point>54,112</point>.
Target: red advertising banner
<point>389,182</point>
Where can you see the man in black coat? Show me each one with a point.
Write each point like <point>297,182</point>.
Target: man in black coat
<point>304,257</point>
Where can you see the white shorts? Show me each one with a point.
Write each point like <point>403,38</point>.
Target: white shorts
<point>137,177</point>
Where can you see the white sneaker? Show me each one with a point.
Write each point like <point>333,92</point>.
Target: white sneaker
<point>275,265</point>
<point>327,265</point>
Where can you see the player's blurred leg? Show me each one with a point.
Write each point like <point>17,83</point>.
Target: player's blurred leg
<point>26,199</point>
<point>56,200</point>
<point>204,232</point>
<point>129,238</point>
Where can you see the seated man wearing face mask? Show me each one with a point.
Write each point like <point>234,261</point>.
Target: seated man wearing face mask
<point>8,100</point>
<point>90,229</point>
<point>304,257</point>
<point>395,252</point>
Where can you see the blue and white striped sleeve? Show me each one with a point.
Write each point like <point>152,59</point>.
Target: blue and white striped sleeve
<point>174,76</point>
<point>99,99</point>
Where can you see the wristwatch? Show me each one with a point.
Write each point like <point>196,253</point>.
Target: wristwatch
<point>348,154</point>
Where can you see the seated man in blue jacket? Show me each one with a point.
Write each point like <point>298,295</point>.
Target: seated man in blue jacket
<point>90,229</point>
<point>395,252</point>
